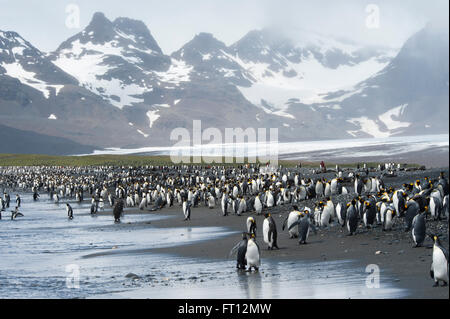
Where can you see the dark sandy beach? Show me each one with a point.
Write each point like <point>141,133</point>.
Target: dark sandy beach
<point>392,250</point>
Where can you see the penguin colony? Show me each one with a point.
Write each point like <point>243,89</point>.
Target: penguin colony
<point>254,190</point>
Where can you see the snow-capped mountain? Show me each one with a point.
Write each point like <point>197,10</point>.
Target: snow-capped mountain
<point>20,60</point>
<point>111,84</point>
<point>118,60</point>
<point>37,96</point>
<point>408,97</point>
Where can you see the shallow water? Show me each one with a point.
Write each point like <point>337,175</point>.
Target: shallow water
<point>36,249</point>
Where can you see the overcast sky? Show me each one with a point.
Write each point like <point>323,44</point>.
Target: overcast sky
<point>174,22</point>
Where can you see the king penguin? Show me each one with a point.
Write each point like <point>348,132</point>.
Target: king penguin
<point>117,211</point>
<point>439,265</point>
<point>241,249</point>
<point>186,210</point>
<point>253,254</point>
<point>292,218</point>
<point>352,217</point>
<point>419,230</point>
<point>270,232</point>
<point>304,226</point>
<point>258,205</point>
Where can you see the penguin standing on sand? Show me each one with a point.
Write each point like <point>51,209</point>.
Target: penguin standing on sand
<point>224,204</point>
<point>291,219</point>
<point>419,230</point>
<point>211,201</point>
<point>18,200</point>
<point>94,208</point>
<point>118,210</point>
<point>439,265</point>
<point>388,218</point>
<point>352,217</point>
<point>435,206</point>
<point>358,185</point>
<point>241,249</point>
<point>253,254</point>
<point>341,213</point>
<point>412,209</point>
<point>186,210</point>
<point>369,213</point>
<point>304,226</point>
<point>69,211</point>
<point>270,232</point>
<point>258,205</point>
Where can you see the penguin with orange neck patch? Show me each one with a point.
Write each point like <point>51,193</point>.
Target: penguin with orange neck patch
<point>270,232</point>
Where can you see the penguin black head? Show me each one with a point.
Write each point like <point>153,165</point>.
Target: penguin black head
<point>295,207</point>
<point>435,238</point>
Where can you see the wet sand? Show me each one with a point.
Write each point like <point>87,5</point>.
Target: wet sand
<point>392,250</point>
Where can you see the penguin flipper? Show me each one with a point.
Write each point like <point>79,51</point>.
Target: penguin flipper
<point>294,224</point>
<point>234,250</point>
<point>285,223</point>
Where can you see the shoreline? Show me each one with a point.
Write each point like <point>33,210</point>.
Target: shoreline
<point>408,267</point>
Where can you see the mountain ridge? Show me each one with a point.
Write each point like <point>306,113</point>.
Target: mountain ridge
<point>127,93</point>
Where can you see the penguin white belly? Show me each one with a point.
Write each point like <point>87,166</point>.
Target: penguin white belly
<point>440,265</point>
<point>395,202</point>
<point>333,187</point>
<point>344,191</point>
<point>332,209</point>
<point>382,212</point>
<point>302,193</point>
<point>211,202</point>
<point>433,207</point>
<point>184,209</point>
<point>293,217</point>
<point>266,232</point>
<point>327,191</point>
<point>325,217</point>
<point>252,254</point>
<point>388,221</point>
<point>249,224</point>
<point>270,200</point>
<point>374,185</point>
<point>258,205</point>
<point>338,214</point>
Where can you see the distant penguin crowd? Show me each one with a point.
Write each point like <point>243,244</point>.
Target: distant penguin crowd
<point>352,198</point>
